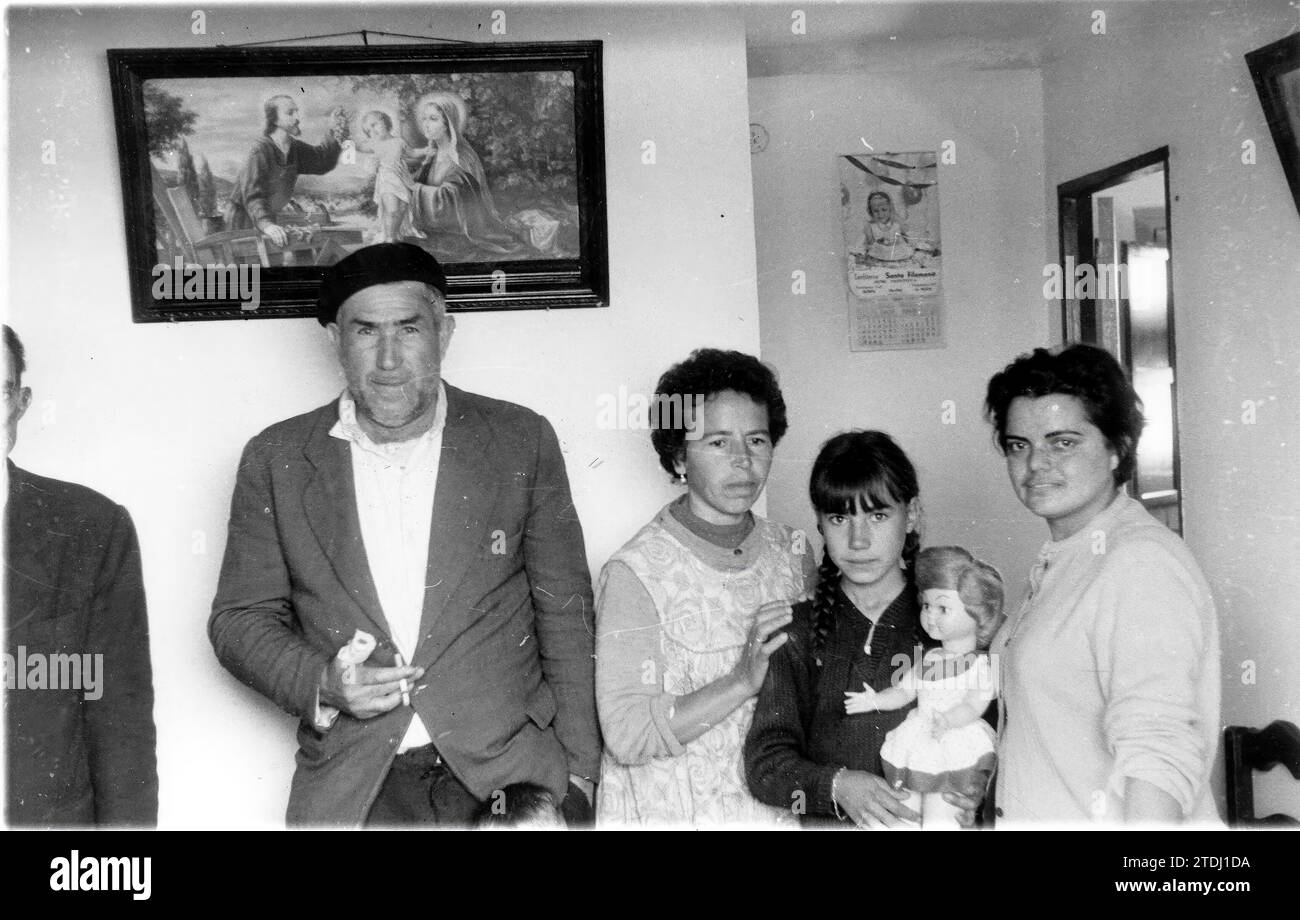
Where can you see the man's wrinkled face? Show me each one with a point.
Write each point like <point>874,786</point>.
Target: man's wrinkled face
<point>390,343</point>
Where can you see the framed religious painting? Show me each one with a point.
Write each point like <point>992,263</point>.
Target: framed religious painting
<point>246,171</point>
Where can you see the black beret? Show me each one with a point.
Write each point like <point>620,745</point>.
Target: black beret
<point>382,263</point>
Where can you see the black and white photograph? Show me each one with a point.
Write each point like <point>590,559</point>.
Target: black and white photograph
<point>921,454</point>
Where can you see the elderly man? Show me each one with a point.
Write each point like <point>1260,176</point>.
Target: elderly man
<point>265,184</point>
<point>79,710</point>
<point>437,523</point>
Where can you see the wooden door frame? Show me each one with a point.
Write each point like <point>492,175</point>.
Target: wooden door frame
<point>1076,238</point>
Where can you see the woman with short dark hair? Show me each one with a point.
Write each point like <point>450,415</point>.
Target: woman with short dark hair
<point>689,610</point>
<point>1110,670</point>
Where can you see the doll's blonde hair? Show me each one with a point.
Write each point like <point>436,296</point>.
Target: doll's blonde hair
<point>978,584</point>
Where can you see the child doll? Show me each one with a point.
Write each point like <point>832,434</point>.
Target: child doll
<point>944,745</point>
<point>394,185</point>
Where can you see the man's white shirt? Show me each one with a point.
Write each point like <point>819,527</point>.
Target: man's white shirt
<point>395,485</point>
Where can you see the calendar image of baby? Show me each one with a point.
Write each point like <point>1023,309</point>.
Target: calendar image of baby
<point>889,215</point>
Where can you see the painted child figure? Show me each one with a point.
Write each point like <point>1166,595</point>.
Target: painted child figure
<point>944,745</point>
<point>394,184</point>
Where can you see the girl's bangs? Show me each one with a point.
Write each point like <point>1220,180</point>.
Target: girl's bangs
<point>843,491</point>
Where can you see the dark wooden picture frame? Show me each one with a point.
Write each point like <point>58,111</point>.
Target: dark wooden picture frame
<point>511,201</point>
<point>1276,71</point>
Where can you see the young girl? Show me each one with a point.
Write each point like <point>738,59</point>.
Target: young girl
<point>394,184</point>
<point>944,745</point>
<point>803,750</point>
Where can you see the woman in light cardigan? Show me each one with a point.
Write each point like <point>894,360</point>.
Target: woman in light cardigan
<point>690,609</point>
<point>1110,670</point>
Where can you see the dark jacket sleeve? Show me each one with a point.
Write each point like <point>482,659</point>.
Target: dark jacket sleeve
<point>556,561</point>
<point>120,727</point>
<point>318,159</point>
<point>253,185</point>
<point>253,627</point>
<point>776,764</point>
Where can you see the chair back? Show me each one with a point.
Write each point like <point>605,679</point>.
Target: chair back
<point>1247,750</point>
<point>177,231</point>
<point>185,212</point>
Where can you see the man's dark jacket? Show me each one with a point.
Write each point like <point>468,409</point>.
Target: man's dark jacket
<point>74,587</point>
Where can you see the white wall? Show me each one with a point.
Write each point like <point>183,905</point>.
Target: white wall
<point>991,207</point>
<point>1177,77</point>
<point>155,415</point>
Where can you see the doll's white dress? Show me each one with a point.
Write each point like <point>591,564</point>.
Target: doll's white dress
<point>912,757</point>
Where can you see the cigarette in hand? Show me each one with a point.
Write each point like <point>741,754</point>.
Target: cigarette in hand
<point>354,653</point>
<point>401,684</point>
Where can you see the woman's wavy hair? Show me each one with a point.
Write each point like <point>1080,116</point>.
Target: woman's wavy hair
<point>978,584</point>
<point>1091,375</point>
<point>857,470</point>
<point>708,371</point>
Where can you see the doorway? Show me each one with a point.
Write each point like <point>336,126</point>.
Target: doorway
<point>1116,250</point>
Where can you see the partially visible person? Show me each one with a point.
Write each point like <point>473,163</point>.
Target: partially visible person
<point>521,806</point>
<point>79,729</point>
<point>861,628</point>
<point>1110,669</point>
<point>690,610</point>
<point>944,745</point>
<point>264,186</point>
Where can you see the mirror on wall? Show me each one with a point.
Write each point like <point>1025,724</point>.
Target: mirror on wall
<point>1118,267</point>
